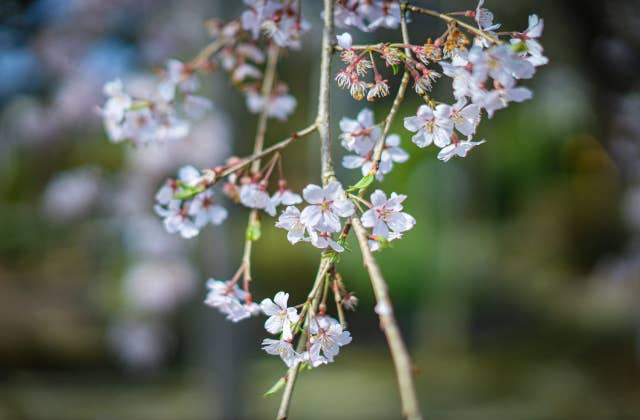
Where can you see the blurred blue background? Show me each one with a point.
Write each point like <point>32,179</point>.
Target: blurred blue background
<point>517,290</point>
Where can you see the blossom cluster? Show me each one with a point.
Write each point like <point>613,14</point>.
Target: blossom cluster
<point>164,115</point>
<point>187,205</point>
<point>281,20</point>
<point>484,71</point>
<point>484,77</point>
<point>231,300</point>
<point>367,15</point>
<point>320,220</point>
<point>361,136</point>
<point>326,335</point>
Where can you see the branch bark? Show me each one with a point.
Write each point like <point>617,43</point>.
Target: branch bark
<point>388,324</point>
<point>327,173</point>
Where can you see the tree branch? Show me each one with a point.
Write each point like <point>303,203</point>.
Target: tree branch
<point>451,20</point>
<point>399,96</point>
<point>327,173</point>
<point>323,120</point>
<point>388,324</point>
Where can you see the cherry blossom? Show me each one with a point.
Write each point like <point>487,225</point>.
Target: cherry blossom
<point>361,134</point>
<point>431,126</point>
<point>204,211</point>
<point>230,300</point>
<point>253,195</point>
<point>281,348</point>
<point>386,217</point>
<point>530,40</point>
<point>290,220</point>
<point>282,197</point>
<point>327,205</point>
<point>460,148</point>
<point>391,153</point>
<point>326,337</point>
<point>280,316</point>
<point>279,104</point>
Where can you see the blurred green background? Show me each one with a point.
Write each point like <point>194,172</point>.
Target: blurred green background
<point>517,290</point>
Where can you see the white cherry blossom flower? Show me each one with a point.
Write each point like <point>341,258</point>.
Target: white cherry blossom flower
<point>280,316</point>
<point>327,339</point>
<point>484,18</point>
<point>386,217</point>
<point>326,206</point>
<point>290,221</point>
<point>176,219</point>
<point>279,104</point>
<point>230,300</point>
<point>500,98</point>
<point>530,39</point>
<point>391,152</point>
<point>460,148</point>
<point>254,196</point>
<point>282,197</point>
<point>281,348</point>
<point>203,210</point>
<point>431,126</point>
<point>361,134</point>
<point>465,117</point>
<point>324,240</point>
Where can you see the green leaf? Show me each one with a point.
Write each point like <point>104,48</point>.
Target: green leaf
<point>395,69</point>
<point>188,192</point>
<point>254,231</point>
<point>362,184</point>
<point>275,388</point>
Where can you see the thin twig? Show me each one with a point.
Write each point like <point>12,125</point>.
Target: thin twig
<point>273,148</point>
<point>388,324</point>
<point>205,54</point>
<point>377,156</point>
<point>267,86</point>
<point>451,20</point>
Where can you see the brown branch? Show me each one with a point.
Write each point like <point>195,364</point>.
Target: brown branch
<point>452,21</point>
<point>399,96</point>
<point>388,324</point>
<point>327,173</point>
<point>216,175</point>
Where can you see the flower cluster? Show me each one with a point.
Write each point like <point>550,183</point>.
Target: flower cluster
<point>362,136</point>
<point>326,335</point>
<point>187,204</point>
<point>162,116</point>
<point>386,219</point>
<point>320,219</point>
<point>281,20</point>
<point>367,15</point>
<point>255,196</point>
<point>243,58</point>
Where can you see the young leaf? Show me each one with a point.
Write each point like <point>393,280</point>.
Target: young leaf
<point>362,184</point>
<point>254,231</point>
<point>275,388</point>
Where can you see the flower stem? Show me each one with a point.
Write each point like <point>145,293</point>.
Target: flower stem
<point>451,20</point>
<point>377,155</point>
